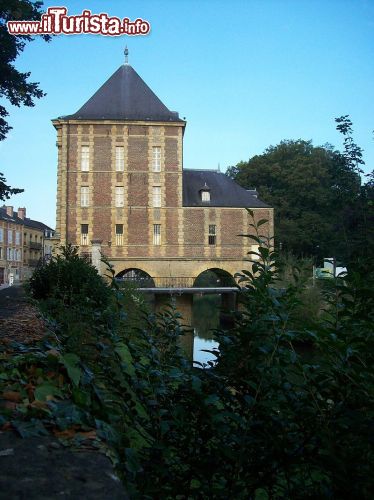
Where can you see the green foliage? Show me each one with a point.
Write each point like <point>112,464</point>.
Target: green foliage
<point>308,417</point>
<point>360,219</point>
<point>5,190</point>
<point>267,421</point>
<point>315,192</point>
<point>14,85</point>
<point>69,279</point>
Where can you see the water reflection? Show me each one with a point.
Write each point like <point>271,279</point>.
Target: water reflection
<point>200,348</point>
<point>205,319</point>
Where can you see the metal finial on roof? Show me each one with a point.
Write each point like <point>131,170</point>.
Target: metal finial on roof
<point>126,52</point>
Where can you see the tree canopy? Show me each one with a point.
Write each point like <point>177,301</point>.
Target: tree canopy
<point>5,190</point>
<point>314,191</point>
<point>14,85</point>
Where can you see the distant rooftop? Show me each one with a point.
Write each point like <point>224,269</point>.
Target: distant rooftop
<point>25,221</point>
<point>224,192</point>
<point>124,96</point>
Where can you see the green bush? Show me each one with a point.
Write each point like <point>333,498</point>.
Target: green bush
<point>70,279</point>
<point>267,422</point>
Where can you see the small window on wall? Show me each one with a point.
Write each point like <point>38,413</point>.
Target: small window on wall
<point>1,235</point>
<point>157,234</point>
<point>85,196</point>
<point>120,159</point>
<point>85,158</point>
<point>119,234</point>
<point>84,234</point>
<point>156,159</point>
<point>212,234</point>
<point>205,196</point>
<point>156,193</point>
<point>120,196</point>
<point>10,236</point>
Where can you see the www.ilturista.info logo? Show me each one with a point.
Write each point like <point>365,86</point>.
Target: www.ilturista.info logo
<point>57,22</point>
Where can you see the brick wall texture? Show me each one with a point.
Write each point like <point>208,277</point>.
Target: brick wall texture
<point>184,231</point>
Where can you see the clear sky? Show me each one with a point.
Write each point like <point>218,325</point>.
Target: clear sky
<point>246,74</point>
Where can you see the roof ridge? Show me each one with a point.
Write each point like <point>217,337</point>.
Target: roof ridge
<point>204,170</point>
<point>124,96</point>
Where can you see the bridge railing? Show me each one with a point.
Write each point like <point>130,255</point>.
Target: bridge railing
<point>172,282</point>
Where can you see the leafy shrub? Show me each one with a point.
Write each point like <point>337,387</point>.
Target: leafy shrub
<point>266,423</point>
<point>70,279</point>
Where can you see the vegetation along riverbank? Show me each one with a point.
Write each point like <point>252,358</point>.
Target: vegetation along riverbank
<point>268,421</point>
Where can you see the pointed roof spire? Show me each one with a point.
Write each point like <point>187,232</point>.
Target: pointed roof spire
<point>125,96</point>
<point>126,52</point>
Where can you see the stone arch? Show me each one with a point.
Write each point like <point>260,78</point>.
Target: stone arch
<point>214,277</point>
<point>213,310</point>
<point>137,276</point>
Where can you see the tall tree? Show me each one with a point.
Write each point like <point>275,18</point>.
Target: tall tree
<point>362,216</point>
<point>311,190</point>
<point>14,85</point>
<point>5,190</point>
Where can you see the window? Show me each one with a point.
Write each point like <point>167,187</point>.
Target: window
<point>84,234</point>
<point>156,196</point>
<point>120,159</point>
<point>205,196</point>
<point>10,253</point>
<point>18,238</point>
<point>1,234</point>
<point>85,158</point>
<point>212,234</point>
<point>10,236</point>
<point>120,196</point>
<point>156,159</point>
<point>85,196</point>
<point>1,253</point>
<point>157,234</point>
<point>119,234</point>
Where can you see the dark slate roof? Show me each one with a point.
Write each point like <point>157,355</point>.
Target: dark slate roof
<point>24,222</point>
<point>8,218</point>
<point>36,224</point>
<point>224,192</point>
<point>125,96</point>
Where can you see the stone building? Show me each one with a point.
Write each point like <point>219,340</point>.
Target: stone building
<point>11,250</point>
<point>122,190</point>
<point>22,244</point>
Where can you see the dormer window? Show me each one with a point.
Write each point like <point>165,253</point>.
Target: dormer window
<point>205,196</point>
<point>205,193</point>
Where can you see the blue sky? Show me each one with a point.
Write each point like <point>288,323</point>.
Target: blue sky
<point>245,74</point>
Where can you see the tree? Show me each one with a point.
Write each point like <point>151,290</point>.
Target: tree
<point>5,190</point>
<point>312,190</point>
<point>362,218</point>
<point>14,85</point>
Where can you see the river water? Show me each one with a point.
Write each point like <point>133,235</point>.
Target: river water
<point>205,319</point>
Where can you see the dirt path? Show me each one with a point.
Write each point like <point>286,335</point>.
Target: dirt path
<point>39,468</point>
<point>19,321</point>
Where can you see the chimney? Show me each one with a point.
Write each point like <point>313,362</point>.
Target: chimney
<point>9,211</point>
<point>22,213</point>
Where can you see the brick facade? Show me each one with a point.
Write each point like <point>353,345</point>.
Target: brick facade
<point>120,181</point>
<point>184,230</point>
